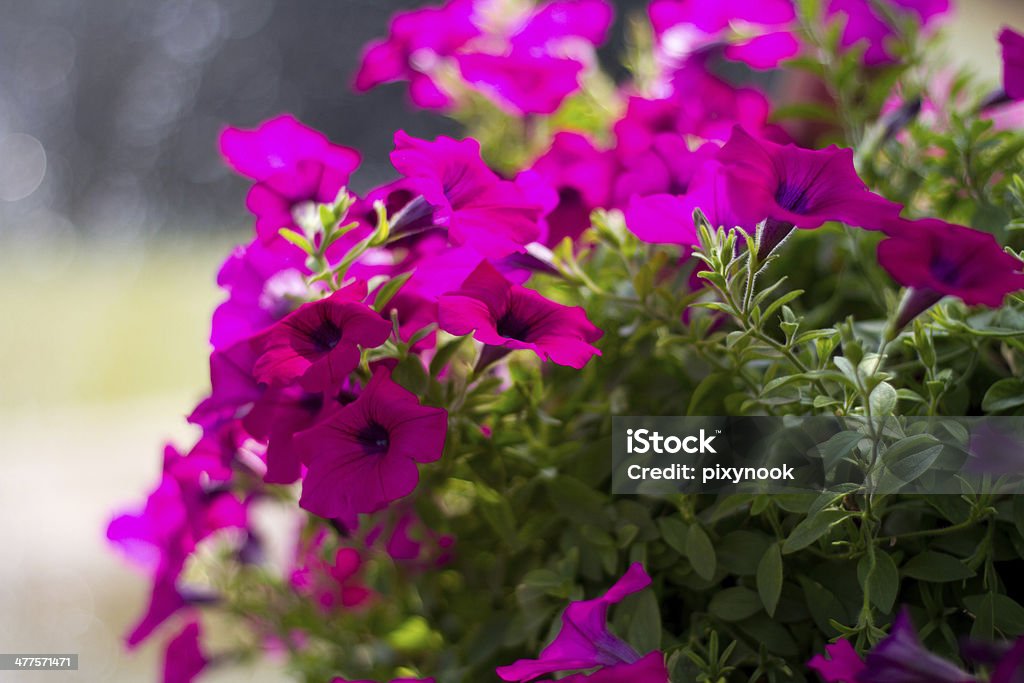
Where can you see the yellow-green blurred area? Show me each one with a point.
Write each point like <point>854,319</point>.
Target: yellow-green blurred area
<point>92,324</point>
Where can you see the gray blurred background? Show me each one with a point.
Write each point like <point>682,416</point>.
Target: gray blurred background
<point>115,211</point>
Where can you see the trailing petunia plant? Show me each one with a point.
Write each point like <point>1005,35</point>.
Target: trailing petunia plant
<point>788,208</point>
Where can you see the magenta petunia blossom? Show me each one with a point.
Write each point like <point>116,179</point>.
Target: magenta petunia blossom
<point>233,387</point>
<point>661,219</point>
<point>365,455</point>
<point>417,42</point>
<point>867,25</point>
<point>795,187</point>
<point>686,27</point>
<point>648,669</point>
<point>1010,668</point>
<point>521,82</point>
<point>584,641</point>
<point>292,164</point>
<point>184,660</point>
<point>318,344</point>
<point>1013,63</point>
<point>188,505</point>
<point>552,23</point>
<point>479,209</point>
<point>901,657</point>
<point>501,314</point>
<point>653,154</point>
<point>936,259</point>
<point>527,60</point>
<point>841,665</point>
<point>533,64</point>
<point>264,282</point>
<point>164,601</point>
<point>580,177</point>
<point>179,512</point>
<point>275,418</point>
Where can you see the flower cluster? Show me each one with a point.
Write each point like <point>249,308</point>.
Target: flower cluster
<point>526,60</point>
<point>419,373</point>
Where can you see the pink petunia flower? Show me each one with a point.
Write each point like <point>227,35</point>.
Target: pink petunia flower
<point>795,187</point>
<point>648,669</point>
<point>756,33</point>
<point>183,659</point>
<point>406,538</point>
<point>936,259</point>
<point>584,641</point>
<point>418,42</point>
<point>292,165</point>
<point>866,24</point>
<point>501,314</point>
<point>264,282</point>
<point>841,665</point>
<point>364,456</point>
<point>552,24</point>
<point>188,505</point>
<point>1013,63</point>
<point>545,53</point>
<point>900,656</point>
<point>318,344</point>
<point>521,82</point>
<point>526,62</point>
<point>1010,668</point>
<point>477,207</point>
<point>276,416</point>
<point>580,176</point>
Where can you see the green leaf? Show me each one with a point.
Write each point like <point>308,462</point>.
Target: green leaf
<point>909,458</point>
<point>411,374</point>
<point>838,447</point>
<point>775,636</point>
<point>387,291</point>
<point>674,531</point>
<point>700,552</point>
<point>936,567</point>
<point>444,354</point>
<point>1007,614</point>
<point>739,552</point>
<point>823,605</point>
<point>811,529</point>
<point>781,301</point>
<point>297,239</point>
<point>644,632</point>
<point>712,388</point>
<point>497,510</point>
<point>769,578</point>
<point>1004,395</point>
<point>734,604</point>
<point>883,583</point>
<point>883,400</point>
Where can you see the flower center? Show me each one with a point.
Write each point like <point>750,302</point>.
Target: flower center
<point>326,336</point>
<point>792,197</point>
<point>374,438</point>
<point>946,270</point>
<point>511,327</point>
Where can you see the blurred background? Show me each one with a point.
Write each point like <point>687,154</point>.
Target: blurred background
<point>115,211</point>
